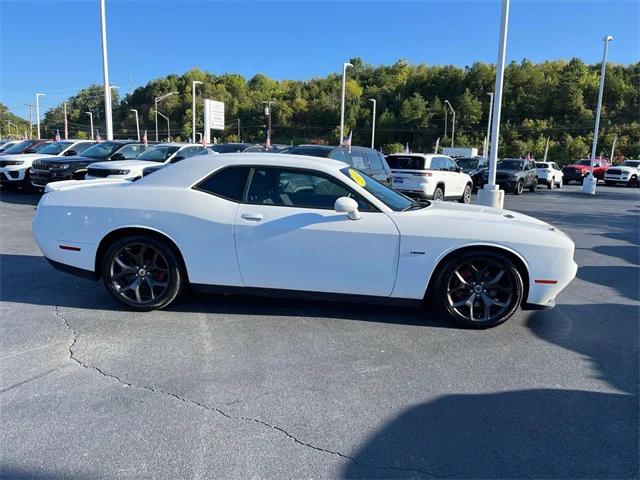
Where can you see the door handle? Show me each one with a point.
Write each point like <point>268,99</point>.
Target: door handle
<point>251,217</point>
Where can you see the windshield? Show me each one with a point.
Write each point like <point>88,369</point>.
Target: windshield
<point>511,164</point>
<point>54,148</point>
<point>405,162</point>
<point>157,154</point>
<point>309,150</point>
<point>631,163</point>
<point>583,162</point>
<point>102,150</point>
<point>468,163</point>
<point>18,147</point>
<point>392,199</point>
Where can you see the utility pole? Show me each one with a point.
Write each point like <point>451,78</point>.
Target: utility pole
<point>446,113</point>
<point>91,123</point>
<point>193,108</point>
<point>486,155</point>
<point>453,121</point>
<point>239,130</point>
<point>30,105</point>
<point>344,89</point>
<point>590,182</point>
<point>613,148</point>
<point>137,122</point>
<point>546,150</point>
<point>66,124</point>
<point>105,71</point>
<point>267,111</point>
<point>373,122</point>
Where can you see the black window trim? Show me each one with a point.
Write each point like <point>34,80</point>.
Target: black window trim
<point>253,168</point>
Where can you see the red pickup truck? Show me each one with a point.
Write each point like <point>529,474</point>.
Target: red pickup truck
<point>580,169</point>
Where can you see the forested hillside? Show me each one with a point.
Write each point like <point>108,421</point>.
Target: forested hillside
<point>555,99</point>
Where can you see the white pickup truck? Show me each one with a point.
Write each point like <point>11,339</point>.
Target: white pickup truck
<point>628,172</point>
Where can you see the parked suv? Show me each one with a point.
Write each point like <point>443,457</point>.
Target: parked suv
<point>515,174</point>
<point>550,174</point>
<point>16,170</point>
<point>367,160</point>
<point>25,146</point>
<point>474,167</point>
<point>431,176</point>
<point>577,171</point>
<point>132,169</point>
<point>75,167</point>
<point>627,172</point>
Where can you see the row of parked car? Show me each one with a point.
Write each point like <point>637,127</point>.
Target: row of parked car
<point>41,163</point>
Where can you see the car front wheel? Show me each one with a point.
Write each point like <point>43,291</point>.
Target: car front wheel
<point>518,188</point>
<point>479,289</point>
<point>466,195</point>
<point>142,272</point>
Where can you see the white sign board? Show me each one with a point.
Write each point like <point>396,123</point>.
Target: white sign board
<point>213,117</point>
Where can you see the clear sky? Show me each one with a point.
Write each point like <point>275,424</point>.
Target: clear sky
<point>54,46</point>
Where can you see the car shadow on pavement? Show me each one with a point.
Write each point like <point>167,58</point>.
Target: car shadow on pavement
<point>17,473</point>
<point>19,197</point>
<point>624,279</point>
<point>30,279</point>
<point>536,433</point>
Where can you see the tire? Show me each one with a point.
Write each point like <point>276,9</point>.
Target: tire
<point>438,194</point>
<point>154,275</point>
<point>561,183</point>
<point>634,182</point>
<point>463,290</point>
<point>519,188</point>
<point>534,186</point>
<point>466,195</point>
<point>551,184</point>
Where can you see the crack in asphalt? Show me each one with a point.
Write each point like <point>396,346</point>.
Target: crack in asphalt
<point>225,414</point>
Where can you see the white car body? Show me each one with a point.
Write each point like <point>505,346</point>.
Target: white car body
<point>628,172</point>
<point>550,174</point>
<point>383,253</point>
<point>132,169</point>
<point>428,172</point>
<point>18,165</point>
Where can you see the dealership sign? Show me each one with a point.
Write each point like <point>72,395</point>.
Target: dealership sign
<point>213,117</point>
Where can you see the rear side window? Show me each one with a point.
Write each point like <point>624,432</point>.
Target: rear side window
<point>358,160</point>
<point>228,183</point>
<point>374,161</point>
<point>399,162</point>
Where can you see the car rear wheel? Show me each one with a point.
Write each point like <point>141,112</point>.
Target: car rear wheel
<point>466,195</point>
<point>560,182</point>
<point>478,289</point>
<point>518,189</point>
<point>438,194</point>
<point>534,185</point>
<point>142,272</point>
<point>552,183</point>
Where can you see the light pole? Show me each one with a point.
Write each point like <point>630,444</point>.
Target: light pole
<point>267,111</point>
<point>491,195</point>
<point>90,122</point>
<point>373,122</point>
<point>105,72</point>
<point>9,128</point>
<point>344,88</point>
<point>168,128</point>
<point>589,185</point>
<point>193,108</point>
<point>157,99</point>
<point>486,153</point>
<point>137,122</point>
<point>38,95</point>
<point>453,121</point>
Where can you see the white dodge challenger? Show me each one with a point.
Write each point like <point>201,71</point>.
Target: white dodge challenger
<point>299,226</point>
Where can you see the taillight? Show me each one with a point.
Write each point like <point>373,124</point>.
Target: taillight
<point>422,174</point>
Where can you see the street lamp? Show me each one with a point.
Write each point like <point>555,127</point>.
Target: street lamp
<point>38,95</point>
<point>193,108</point>
<point>486,153</point>
<point>91,122</point>
<point>373,122</point>
<point>491,195</point>
<point>589,185</point>
<point>157,99</point>
<point>344,87</point>
<point>267,111</point>
<point>168,129</point>
<point>9,128</point>
<point>453,121</point>
<point>137,122</point>
<point>105,71</point>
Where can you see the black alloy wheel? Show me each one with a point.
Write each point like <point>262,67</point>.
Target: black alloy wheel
<point>519,188</point>
<point>142,272</point>
<point>479,290</point>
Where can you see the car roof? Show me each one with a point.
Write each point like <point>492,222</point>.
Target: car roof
<point>417,155</point>
<point>189,171</point>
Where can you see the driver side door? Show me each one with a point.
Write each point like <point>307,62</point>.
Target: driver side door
<point>288,236</point>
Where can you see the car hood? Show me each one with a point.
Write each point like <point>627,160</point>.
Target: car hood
<point>626,169</point>
<point>33,156</point>
<point>70,159</point>
<point>120,164</point>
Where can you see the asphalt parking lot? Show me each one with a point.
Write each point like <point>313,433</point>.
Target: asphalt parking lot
<point>238,387</point>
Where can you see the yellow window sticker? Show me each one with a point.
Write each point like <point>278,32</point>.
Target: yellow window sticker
<point>356,177</point>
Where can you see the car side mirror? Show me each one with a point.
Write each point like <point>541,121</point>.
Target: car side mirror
<point>349,206</point>
<point>117,156</point>
<point>177,159</point>
<point>70,153</point>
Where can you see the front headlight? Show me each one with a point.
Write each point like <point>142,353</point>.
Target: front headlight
<point>60,166</point>
<point>7,163</point>
<point>118,172</point>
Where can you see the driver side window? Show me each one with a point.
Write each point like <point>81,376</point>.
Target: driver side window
<point>298,188</point>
